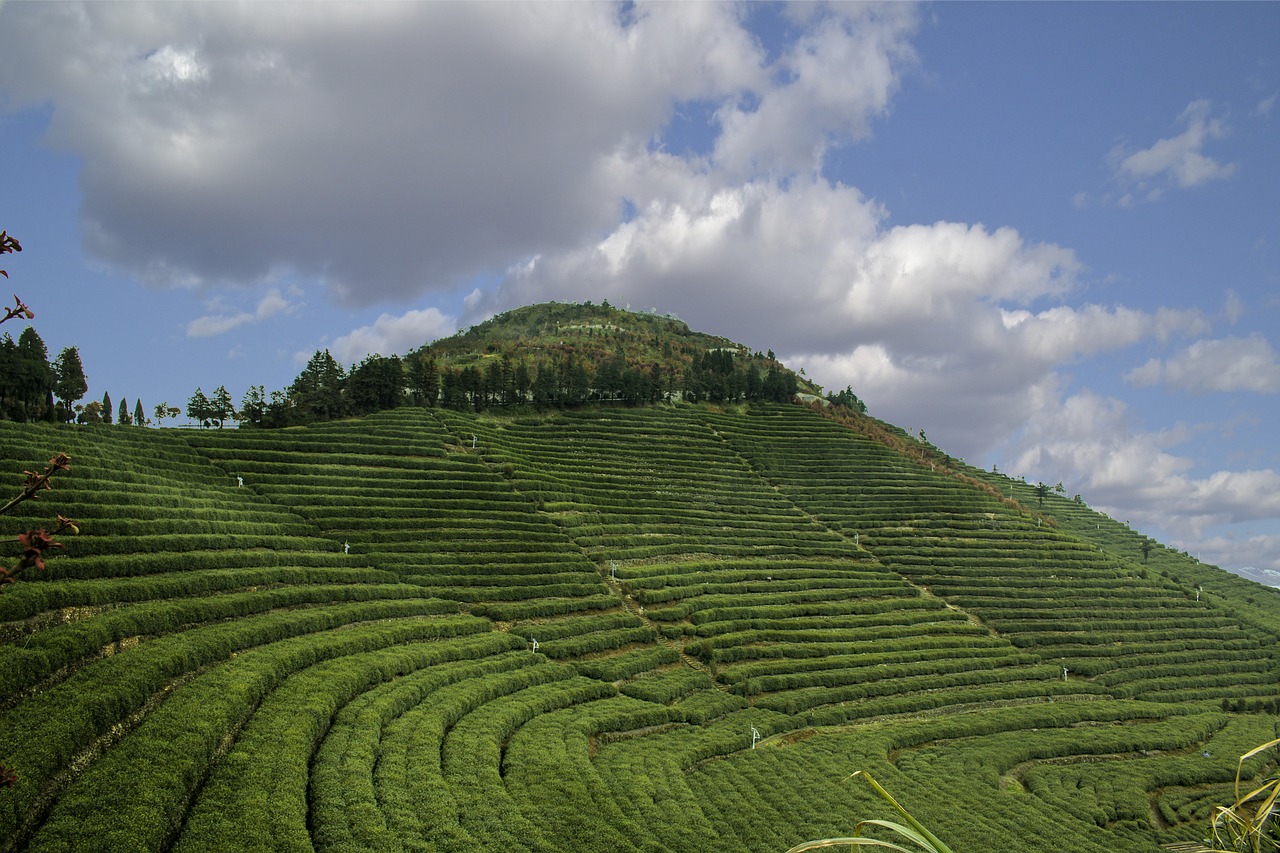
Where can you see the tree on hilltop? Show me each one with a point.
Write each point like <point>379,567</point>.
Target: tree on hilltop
<point>70,383</point>
<point>423,378</point>
<point>26,377</point>
<point>221,406</point>
<point>317,392</point>
<point>253,406</point>
<point>198,407</point>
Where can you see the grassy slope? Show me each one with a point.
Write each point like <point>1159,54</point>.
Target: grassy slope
<point>858,605</point>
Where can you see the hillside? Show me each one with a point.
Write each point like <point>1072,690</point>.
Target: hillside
<point>569,353</point>
<point>436,629</point>
<point>593,333</point>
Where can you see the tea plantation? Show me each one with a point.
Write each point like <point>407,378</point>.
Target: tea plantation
<point>668,628</point>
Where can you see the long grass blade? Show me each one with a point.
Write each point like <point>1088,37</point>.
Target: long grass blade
<point>934,842</point>
<point>849,842</point>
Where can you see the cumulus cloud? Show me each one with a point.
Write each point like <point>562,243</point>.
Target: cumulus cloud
<point>390,335</point>
<point>834,80</point>
<point>1260,551</point>
<point>1092,442</point>
<point>396,150</point>
<point>387,150</point>
<point>1177,161</point>
<point>1227,364</point>
<point>210,325</point>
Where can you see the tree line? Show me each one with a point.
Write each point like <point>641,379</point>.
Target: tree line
<point>324,390</point>
<point>33,388</point>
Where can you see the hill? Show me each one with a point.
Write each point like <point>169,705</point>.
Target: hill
<point>666,627</point>
<point>567,353</point>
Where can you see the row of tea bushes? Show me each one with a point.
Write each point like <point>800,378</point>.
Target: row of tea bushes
<point>275,701</point>
<point>757,571</point>
<point>400,492</point>
<point>712,689</point>
<point>1045,590</point>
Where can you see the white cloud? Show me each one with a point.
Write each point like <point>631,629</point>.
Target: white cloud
<point>274,302</point>
<point>227,143</point>
<point>388,151</point>
<point>1227,364</point>
<point>1178,160</point>
<point>216,324</point>
<point>1090,442</point>
<point>835,79</point>
<point>390,335</point>
<point>1258,551</point>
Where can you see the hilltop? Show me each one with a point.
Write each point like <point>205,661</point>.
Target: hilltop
<point>604,627</point>
<point>549,356</point>
<point>570,353</point>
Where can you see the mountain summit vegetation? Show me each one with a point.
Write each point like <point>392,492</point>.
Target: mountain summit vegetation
<point>550,355</point>
<point>594,623</point>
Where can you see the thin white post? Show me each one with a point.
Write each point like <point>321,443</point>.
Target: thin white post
<point>534,642</point>
<point>755,736</point>
<point>1064,673</point>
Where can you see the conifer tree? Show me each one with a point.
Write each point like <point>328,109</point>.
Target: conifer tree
<point>139,418</point>
<point>221,406</point>
<point>27,377</point>
<point>106,407</point>
<point>123,418</point>
<point>198,407</point>
<point>253,406</point>
<point>70,383</point>
<point>318,389</point>
<point>424,379</point>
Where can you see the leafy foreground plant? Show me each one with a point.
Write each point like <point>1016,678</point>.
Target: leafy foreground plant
<point>1244,826</point>
<point>914,832</point>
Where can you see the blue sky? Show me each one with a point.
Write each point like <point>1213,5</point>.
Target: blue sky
<point>1048,234</point>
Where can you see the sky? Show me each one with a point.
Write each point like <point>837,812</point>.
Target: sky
<point>1047,234</point>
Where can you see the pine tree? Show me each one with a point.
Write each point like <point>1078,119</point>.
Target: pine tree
<point>139,417</point>
<point>123,417</point>
<point>318,390</point>
<point>106,407</point>
<point>30,378</point>
<point>221,406</point>
<point>198,407</point>
<point>253,406</point>
<point>70,383</point>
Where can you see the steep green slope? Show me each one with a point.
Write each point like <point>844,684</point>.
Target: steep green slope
<point>436,630</point>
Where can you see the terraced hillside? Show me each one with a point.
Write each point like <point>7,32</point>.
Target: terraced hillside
<point>667,628</point>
